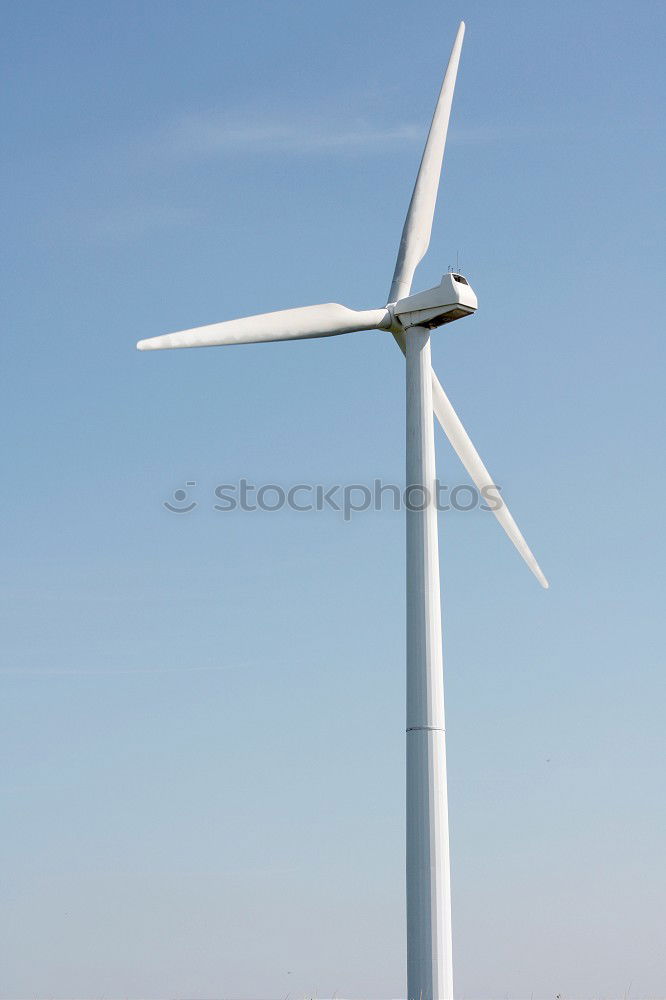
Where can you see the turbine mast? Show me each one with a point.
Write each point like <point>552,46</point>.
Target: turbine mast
<point>429,947</point>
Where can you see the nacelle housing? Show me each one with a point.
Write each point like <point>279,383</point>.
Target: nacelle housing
<point>452,299</point>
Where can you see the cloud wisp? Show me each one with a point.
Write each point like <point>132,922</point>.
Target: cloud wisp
<point>211,134</point>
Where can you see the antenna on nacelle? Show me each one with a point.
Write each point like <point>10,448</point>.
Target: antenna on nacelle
<point>456,269</point>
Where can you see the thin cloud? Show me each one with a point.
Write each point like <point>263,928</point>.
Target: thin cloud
<point>213,134</point>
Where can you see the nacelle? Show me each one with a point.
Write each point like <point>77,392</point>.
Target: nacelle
<point>452,299</point>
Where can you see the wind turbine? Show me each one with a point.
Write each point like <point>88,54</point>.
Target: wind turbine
<point>410,318</point>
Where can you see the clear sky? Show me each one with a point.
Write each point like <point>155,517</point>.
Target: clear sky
<point>202,714</point>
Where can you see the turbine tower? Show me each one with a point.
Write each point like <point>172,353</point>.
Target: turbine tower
<point>411,319</point>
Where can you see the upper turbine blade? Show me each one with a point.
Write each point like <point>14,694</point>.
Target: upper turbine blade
<point>326,320</point>
<point>418,224</point>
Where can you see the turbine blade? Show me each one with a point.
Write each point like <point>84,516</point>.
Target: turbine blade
<point>418,224</point>
<point>470,458</point>
<point>326,320</point>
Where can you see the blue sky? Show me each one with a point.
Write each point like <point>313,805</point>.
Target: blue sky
<point>202,714</point>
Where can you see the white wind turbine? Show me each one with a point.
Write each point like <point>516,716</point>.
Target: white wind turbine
<point>410,318</point>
